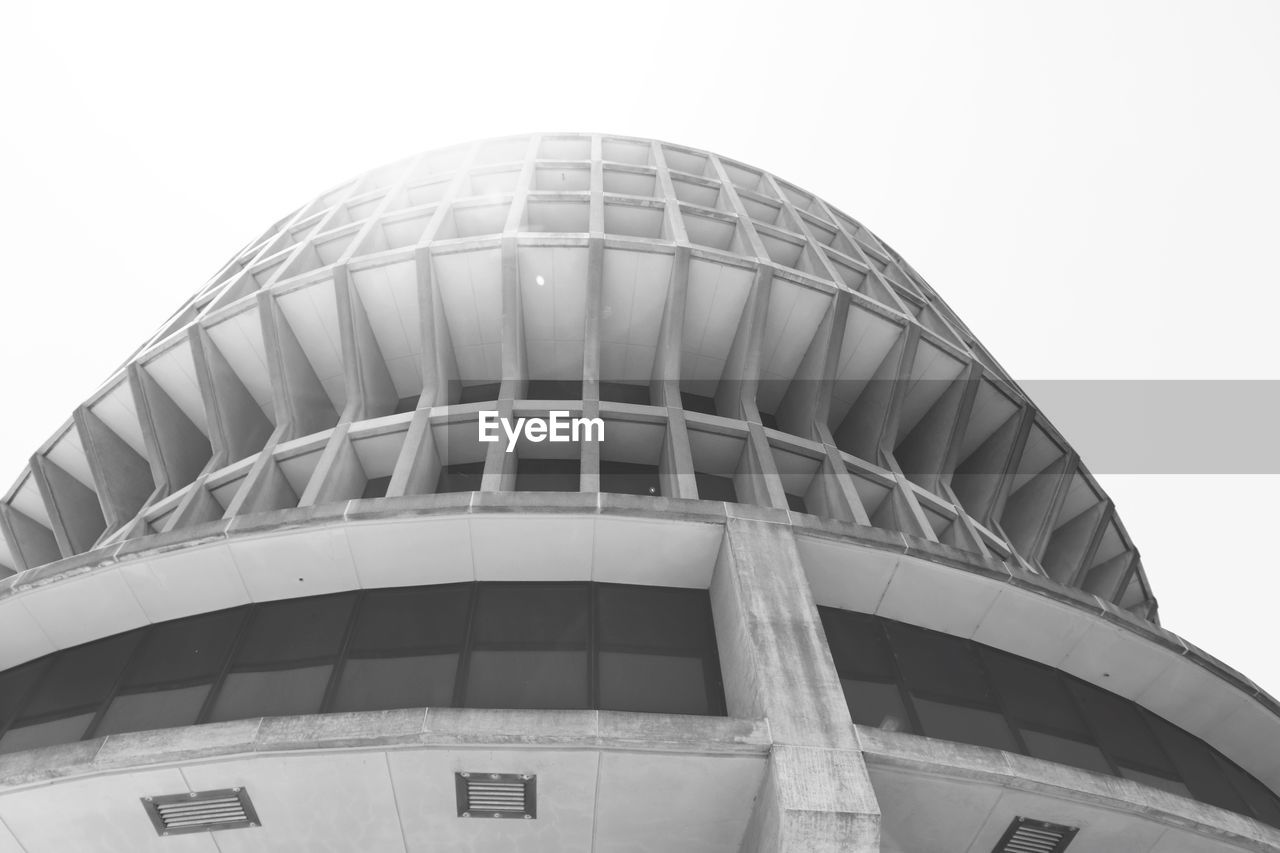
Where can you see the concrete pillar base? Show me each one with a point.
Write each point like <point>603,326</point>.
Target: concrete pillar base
<point>814,800</point>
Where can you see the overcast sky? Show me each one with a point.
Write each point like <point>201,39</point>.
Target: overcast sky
<point>1094,187</point>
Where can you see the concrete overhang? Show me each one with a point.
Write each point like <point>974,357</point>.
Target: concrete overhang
<point>385,781</point>
<point>428,539</point>
<point>938,795</point>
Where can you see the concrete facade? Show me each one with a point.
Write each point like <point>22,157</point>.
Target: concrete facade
<point>820,430</point>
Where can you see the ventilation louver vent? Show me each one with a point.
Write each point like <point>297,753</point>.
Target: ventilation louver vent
<point>1025,835</point>
<point>201,811</point>
<point>497,795</point>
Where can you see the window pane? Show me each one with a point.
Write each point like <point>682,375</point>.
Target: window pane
<point>629,478</point>
<point>666,684</point>
<point>713,488</point>
<point>532,614</point>
<point>650,617</point>
<point>1258,796</point>
<point>415,618</point>
<point>858,644</point>
<point>380,684</point>
<point>185,650</point>
<point>463,477</point>
<point>81,677</point>
<point>622,392</point>
<point>527,679</point>
<point>1034,695</point>
<point>937,663</point>
<point>1065,751</point>
<point>15,684</point>
<point>876,703</point>
<point>967,725</point>
<point>698,403</point>
<point>1155,781</point>
<point>548,475</point>
<point>271,694</point>
<point>376,487</point>
<point>1120,729</point>
<point>1197,766</point>
<point>301,629</point>
<point>158,709</point>
<point>553,389</point>
<point>65,730</point>
<point>479,393</point>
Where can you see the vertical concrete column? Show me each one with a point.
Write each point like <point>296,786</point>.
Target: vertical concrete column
<point>817,795</point>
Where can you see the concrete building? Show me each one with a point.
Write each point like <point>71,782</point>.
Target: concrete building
<point>828,582</point>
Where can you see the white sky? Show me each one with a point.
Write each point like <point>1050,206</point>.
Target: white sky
<point>1094,187</point>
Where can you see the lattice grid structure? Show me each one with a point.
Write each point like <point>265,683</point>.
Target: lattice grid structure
<point>741,339</point>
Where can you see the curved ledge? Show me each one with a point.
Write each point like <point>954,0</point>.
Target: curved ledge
<point>384,730</point>
<point>962,762</point>
<point>290,553</point>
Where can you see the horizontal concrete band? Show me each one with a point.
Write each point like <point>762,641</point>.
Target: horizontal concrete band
<point>484,731</point>
<point>926,756</point>
<point>409,728</point>
<point>622,539</point>
<point>386,781</point>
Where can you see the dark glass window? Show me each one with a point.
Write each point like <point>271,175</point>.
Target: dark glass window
<point>463,477</point>
<point>284,659</point>
<point>858,644</point>
<point>796,503</point>
<point>15,686</point>
<point>866,669</point>
<point>656,650</point>
<point>548,475</point>
<point>713,488</point>
<point>624,392</point>
<point>529,647</point>
<point>938,664</point>
<point>698,403</point>
<point>404,649</point>
<point>964,723</point>
<point>68,695</point>
<point>172,673</point>
<point>1263,802</point>
<point>502,645</point>
<point>629,478</point>
<point>376,487</point>
<point>480,393</point>
<point>406,404</point>
<point>1196,765</point>
<point>876,703</point>
<point>553,389</point>
<point>1121,731</point>
<point>1035,696</point>
<point>896,676</point>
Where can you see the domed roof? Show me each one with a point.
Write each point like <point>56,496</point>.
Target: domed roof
<point>738,335</point>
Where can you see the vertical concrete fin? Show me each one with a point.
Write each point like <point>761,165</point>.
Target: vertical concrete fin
<point>238,427</point>
<point>370,391</point>
<point>124,479</point>
<point>418,465</point>
<point>295,387</point>
<point>31,544</point>
<point>181,447</point>
<point>73,507</point>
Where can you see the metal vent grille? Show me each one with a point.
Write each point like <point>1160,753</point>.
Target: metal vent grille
<point>501,795</point>
<point>201,811</point>
<point>1025,835</point>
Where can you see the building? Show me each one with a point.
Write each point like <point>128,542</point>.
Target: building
<point>828,581</point>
